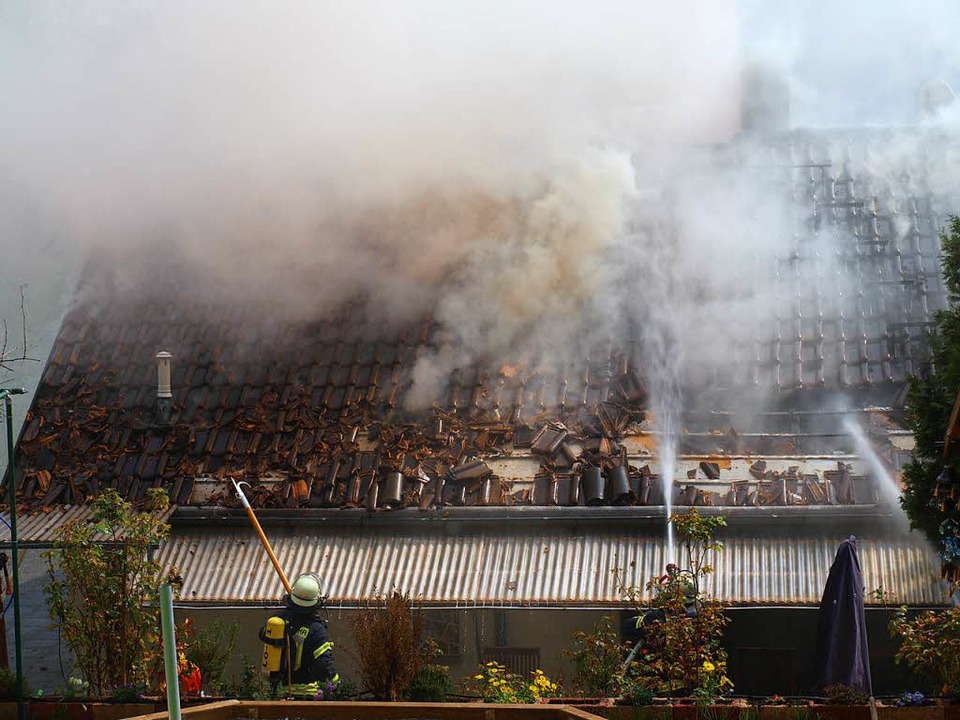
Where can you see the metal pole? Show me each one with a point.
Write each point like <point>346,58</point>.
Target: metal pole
<point>170,652</point>
<point>263,537</point>
<point>14,550</point>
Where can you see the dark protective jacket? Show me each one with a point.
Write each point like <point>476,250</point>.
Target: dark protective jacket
<point>312,667</point>
<point>842,653</point>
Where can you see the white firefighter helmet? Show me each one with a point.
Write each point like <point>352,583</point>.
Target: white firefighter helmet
<point>307,591</point>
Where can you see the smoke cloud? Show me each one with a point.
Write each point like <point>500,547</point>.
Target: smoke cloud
<point>528,173</point>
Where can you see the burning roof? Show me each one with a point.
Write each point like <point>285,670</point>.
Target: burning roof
<point>314,413</point>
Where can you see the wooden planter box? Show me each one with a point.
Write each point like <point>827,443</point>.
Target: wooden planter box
<point>842,712</point>
<point>121,711</point>
<point>628,712</point>
<point>922,712</point>
<point>951,711</point>
<point>692,711</point>
<point>77,710</point>
<point>337,710</point>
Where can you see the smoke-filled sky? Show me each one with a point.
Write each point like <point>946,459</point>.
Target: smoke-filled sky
<point>498,163</point>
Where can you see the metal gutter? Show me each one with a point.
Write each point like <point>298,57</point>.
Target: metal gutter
<point>605,515</point>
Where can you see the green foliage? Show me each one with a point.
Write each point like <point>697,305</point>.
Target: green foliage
<point>598,661</point>
<point>8,685</point>
<point>431,684</point>
<point>841,694</point>
<point>683,653</point>
<point>126,693</point>
<point>931,397</point>
<point>346,690</point>
<point>210,647</point>
<point>76,688</point>
<point>696,534</point>
<point>930,645</point>
<point>103,596</point>
<point>635,693</point>
<point>251,684</point>
<point>388,632</point>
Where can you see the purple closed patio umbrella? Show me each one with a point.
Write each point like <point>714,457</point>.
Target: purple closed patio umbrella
<point>842,655</point>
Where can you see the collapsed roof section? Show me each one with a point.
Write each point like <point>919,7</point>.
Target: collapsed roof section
<point>314,413</point>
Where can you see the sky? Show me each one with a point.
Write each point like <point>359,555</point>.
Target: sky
<point>328,143</point>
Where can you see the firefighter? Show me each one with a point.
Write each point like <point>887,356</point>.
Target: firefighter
<point>297,647</point>
<point>634,628</point>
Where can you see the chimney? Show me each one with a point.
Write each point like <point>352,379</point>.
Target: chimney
<point>933,97</point>
<point>164,395</point>
<point>765,101</point>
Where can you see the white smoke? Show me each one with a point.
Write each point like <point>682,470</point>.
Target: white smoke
<point>519,170</point>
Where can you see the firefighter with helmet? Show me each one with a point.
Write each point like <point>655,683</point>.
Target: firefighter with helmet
<point>297,650</point>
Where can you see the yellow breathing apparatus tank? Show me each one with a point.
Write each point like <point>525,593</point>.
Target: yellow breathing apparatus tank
<point>273,653</point>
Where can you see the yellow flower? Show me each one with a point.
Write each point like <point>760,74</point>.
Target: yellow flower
<point>708,666</point>
<point>725,681</point>
<point>478,677</point>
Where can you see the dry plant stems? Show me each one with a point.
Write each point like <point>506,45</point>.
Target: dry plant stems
<point>930,645</point>
<point>103,595</point>
<point>388,633</point>
<point>9,355</point>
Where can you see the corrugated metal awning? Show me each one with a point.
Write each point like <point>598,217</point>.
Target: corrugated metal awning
<point>514,568</point>
<point>39,528</point>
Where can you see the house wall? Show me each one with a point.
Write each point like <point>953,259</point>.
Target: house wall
<point>772,651</point>
<point>548,630</point>
<point>41,650</point>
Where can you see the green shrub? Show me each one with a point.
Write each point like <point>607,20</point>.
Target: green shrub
<point>683,654</point>
<point>209,647</point>
<point>8,685</point>
<point>104,597</point>
<point>930,645</point>
<point>598,661</point>
<point>251,684</point>
<point>431,684</point>
<point>346,690</point>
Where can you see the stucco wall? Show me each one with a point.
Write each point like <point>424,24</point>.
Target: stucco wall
<point>42,652</point>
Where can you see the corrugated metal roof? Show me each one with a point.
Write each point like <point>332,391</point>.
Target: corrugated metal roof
<point>39,527</point>
<point>515,568</point>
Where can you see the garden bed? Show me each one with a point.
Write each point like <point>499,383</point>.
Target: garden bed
<point>282,710</point>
